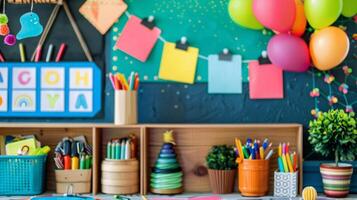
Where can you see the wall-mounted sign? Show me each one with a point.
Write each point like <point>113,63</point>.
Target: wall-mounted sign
<point>65,89</point>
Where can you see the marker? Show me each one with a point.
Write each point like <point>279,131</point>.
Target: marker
<point>49,53</point>
<point>117,151</point>
<point>245,152</point>
<point>67,162</point>
<point>82,162</point>
<point>127,149</point>
<point>22,52</point>
<point>122,153</point>
<point>265,143</point>
<point>113,151</point>
<point>60,52</point>
<point>109,150</point>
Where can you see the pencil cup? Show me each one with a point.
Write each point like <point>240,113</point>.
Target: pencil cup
<point>79,179</point>
<point>253,177</point>
<point>285,184</point>
<point>125,107</point>
<point>120,176</point>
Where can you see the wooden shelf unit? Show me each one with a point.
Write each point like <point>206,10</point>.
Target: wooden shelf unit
<point>193,142</point>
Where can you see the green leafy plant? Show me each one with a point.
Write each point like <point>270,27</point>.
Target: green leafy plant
<point>334,132</point>
<point>222,157</point>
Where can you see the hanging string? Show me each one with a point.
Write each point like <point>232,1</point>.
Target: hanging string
<point>3,7</point>
<point>31,5</point>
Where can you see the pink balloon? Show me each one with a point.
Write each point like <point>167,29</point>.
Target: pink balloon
<point>289,52</point>
<point>278,15</point>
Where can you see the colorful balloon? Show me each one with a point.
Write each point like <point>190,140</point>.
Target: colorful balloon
<point>289,52</point>
<point>299,26</point>
<point>278,15</point>
<point>349,8</point>
<point>321,14</point>
<point>241,12</point>
<point>329,47</point>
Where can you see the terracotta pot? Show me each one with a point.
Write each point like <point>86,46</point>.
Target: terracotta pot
<point>222,181</point>
<point>336,180</point>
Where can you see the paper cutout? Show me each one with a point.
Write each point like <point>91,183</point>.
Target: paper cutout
<point>81,78</point>
<point>24,78</point>
<point>52,78</point>
<point>178,65</point>
<point>225,77</point>
<point>80,101</point>
<point>137,40</point>
<point>52,101</point>
<point>10,40</point>
<point>30,26</point>
<point>4,79</point>
<point>265,81</point>
<point>23,101</point>
<point>3,101</point>
<point>102,14</point>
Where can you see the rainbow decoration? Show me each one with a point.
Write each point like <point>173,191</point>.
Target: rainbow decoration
<point>23,101</point>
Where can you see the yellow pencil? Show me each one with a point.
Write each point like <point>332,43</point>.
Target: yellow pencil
<point>279,149</point>
<point>286,169</point>
<point>288,160</point>
<point>22,52</point>
<point>261,152</point>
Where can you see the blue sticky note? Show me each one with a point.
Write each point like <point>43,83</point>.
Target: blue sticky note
<point>224,77</point>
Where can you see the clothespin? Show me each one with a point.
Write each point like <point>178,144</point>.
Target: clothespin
<point>225,55</point>
<point>148,22</point>
<point>263,59</point>
<point>182,44</point>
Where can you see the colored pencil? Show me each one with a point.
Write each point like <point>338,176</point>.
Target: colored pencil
<point>22,52</point>
<point>49,53</point>
<point>38,53</point>
<point>60,52</point>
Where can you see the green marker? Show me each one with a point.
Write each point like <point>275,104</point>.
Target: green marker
<point>109,150</point>
<point>117,151</point>
<point>87,165</point>
<point>113,151</point>
<point>245,152</point>
<point>122,153</point>
<point>82,162</point>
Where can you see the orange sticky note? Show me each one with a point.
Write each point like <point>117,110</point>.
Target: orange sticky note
<point>102,14</point>
<point>265,81</point>
<point>137,40</point>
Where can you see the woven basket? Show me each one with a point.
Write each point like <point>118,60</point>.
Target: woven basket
<point>35,1</point>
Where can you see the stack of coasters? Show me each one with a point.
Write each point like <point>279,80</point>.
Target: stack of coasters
<point>166,176</point>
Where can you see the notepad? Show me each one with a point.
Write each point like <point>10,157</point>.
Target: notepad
<point>137,40</point>
<point>225,76</point>
<point>178,65</point>
<point>265,81</point>
<point>14,147</point>
<point>102,14</point>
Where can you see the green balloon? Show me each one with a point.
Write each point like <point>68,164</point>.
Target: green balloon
<point>322,13</point>
<point>241,12</point>
<point>349,8</point>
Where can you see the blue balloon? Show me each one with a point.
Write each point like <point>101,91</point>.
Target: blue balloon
<point>30,26</point>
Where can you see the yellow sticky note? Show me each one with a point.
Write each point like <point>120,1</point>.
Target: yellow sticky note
<point>178,65</point>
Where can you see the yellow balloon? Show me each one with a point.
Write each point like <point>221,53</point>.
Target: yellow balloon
<point>328,47</point>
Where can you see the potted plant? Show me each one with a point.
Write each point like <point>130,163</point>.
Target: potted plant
<point>334,133</point>
<point>222,167</point>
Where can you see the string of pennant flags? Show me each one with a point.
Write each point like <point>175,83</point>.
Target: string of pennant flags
<point>270,76</point>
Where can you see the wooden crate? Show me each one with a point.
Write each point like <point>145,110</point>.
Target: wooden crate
<point>194,141</point>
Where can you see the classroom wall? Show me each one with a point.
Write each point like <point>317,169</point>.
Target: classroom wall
<point>180,103</point>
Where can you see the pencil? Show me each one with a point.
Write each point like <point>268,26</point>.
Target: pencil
<point>2,59</point>
<point>38,53</point>
<point>49,53</point>
<point>22,52</point>
<point>60,52</point>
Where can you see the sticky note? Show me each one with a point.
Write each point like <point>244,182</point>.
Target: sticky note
<point>178,65</point>
<point>102,14</point>
<point>136,39</point>
<point>265,81</point>
<point>225,77</point>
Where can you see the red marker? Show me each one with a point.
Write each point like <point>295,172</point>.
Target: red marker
<point>60,52</point>
<point>67,162</point>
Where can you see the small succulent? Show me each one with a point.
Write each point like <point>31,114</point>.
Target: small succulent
<point>222,157</point>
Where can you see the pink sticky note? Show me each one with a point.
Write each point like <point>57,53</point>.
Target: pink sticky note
<point>265,81</point>
<point>137,40</point>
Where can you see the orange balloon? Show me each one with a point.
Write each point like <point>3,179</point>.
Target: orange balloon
<point>328,47</point>
<point>300,20</point>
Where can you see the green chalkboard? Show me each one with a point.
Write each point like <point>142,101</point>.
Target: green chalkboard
<point>205,23</point>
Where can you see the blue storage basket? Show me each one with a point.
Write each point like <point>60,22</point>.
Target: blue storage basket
<point>22,175</point>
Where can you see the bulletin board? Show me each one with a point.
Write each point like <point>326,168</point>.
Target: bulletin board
<point>205,23</point>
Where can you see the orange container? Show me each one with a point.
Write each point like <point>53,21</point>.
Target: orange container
<point>253,177</point>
